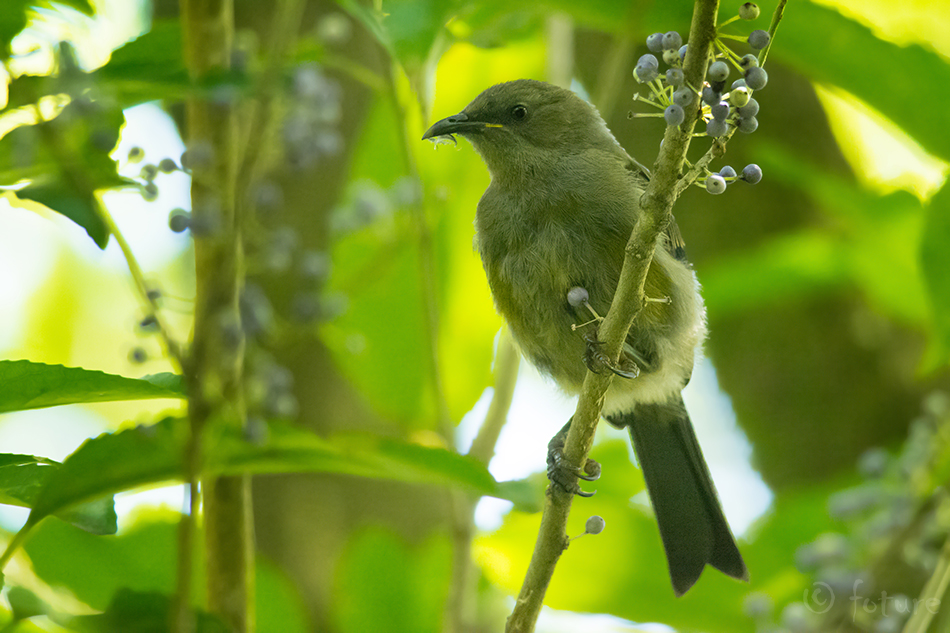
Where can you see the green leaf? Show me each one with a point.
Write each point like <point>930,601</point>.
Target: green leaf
<point>28,385</point>
<point>935,264</point>
<point>80,207</point>
<point>136,612</point>
<point>900,82</point>
<point>22,477</point>
<point>144,455</point>
<point>68,160</point>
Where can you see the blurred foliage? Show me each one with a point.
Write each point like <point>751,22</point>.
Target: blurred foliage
<point>829,304</point>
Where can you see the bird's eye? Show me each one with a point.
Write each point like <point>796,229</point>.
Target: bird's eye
<point>519,112</point>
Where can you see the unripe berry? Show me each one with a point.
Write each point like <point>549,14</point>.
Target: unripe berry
<point>595,525</point>
<point>749,11</point>
<point>739,96</point>
<point>715,184</point>
<point>577,296</point>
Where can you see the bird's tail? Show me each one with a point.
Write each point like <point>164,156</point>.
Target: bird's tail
<point>692,525</point>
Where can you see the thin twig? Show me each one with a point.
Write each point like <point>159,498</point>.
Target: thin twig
<point>507,360</point>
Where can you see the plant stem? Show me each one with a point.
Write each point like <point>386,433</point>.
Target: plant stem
<point>776,18</point>
<point>215,367</point>
<point>655,213</point>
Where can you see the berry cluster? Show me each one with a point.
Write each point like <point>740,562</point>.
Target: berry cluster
<point>723,110</point>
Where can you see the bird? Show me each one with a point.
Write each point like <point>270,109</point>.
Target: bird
<point>551,229</point>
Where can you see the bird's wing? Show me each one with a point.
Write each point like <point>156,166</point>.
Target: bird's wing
<point>676,244</point>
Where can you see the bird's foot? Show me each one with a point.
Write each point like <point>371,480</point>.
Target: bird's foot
<point>564,474</point>
<point>596,360</point>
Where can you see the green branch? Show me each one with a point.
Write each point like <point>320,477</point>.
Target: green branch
<point>655,213</point>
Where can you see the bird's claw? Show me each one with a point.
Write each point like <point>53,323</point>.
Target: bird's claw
<point>564,474</point>
<point>596,360</point>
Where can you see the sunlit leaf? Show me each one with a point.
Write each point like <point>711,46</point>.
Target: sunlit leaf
<point>14,16</point>
<point>898,81</point>
<point>28,385</point>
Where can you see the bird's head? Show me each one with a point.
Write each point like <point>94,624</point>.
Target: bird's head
<point>525,124</point>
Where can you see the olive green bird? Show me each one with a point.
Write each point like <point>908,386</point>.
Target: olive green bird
<point>561,206</point>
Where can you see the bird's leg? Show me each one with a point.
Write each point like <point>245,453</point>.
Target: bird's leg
<point>595,359</point>
<point>565,475</point>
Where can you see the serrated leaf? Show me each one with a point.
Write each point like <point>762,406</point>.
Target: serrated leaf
<point>28,385</point>
<point>22,477</point>
<point>146,455</point>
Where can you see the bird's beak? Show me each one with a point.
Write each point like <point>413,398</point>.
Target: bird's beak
<point>456,124</point>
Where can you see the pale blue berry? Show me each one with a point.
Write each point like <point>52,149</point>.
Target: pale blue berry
<point>752,174</point>
<point>720,111</point>
<point>655,43</point>
<point>684,97</point>
<point>759,39</point>
<point>674,114</point>
<point>672,41</point>
<point>674,77</point>
<point>728,172</point>
<point>748,61</point>
<point>718,71</point>
<point>756,78</point>
<point>716,128</point>
<point>748,125</point>
<point>751,108</point>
